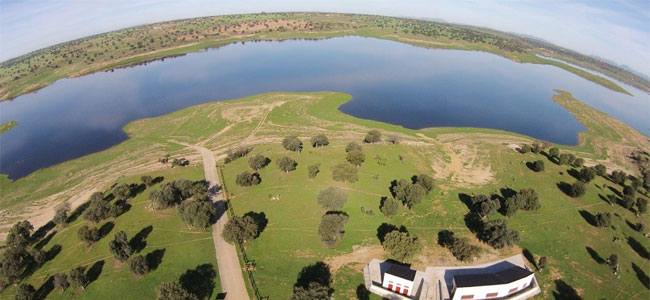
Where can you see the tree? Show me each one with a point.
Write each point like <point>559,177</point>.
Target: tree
<point>331,228</point>
<point>389,207</point>
<point>578,162</point>
<point>138,265</point>
<point>401,246</point>
<point>319,141</point>
<point>313,170</point>
<point>511,205</point>
<point>248,179</point>
<point>612,261</point>
<point>525,148</point>
<point>628,201</point>
<point>528,199</point>
<point>286,164</point>
<point>408,193</point>
<point>577,189</point>
<point>78,278</point>
<point>488,207</point>
<point>542,263</point>
<point>554,152</point>
<point>257,162</point>
<point>538,165</point>
<point>603,219</point>
<point>97,210</point>
<point>642,205</point>
<point>147,180</point>
<point>355,157</point>
<point>120,246</point>
<point>26,291</point>
<point>352,146</point>
<point>629,190</point>
<point>461,248</point>
<point>497,234</point>
<point>332,198</point>
<point>292,143</point>
<point>425,181</point>
<point>601,170</point>
<point>15,256</point>
<point>61,214</point>
<point>61,281</point>
<point>122,191</point>
<point>174,291</point>
<point>240,229</point>
<point>563,159</point>
<point>619,177</point>
<point>237,153</point>
<point>88,235</point>
<point>373,136</point>
<point>587,174</point>
<point>536,148</point>
<point>197,214</point>
<point>345,172</point>
<point>393,139</point>
<point>315,291</point>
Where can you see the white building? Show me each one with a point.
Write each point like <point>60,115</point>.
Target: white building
<point>504,283</point>
<point>399,279</point>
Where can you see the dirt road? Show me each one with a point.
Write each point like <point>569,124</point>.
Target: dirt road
<point>230,272</point>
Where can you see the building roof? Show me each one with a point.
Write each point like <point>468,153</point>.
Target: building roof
<point>402,272</point>
<point>502,277</point>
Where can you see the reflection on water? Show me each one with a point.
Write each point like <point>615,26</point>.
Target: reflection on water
<point>391,82</point>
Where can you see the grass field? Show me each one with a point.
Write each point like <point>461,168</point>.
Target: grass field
<point>462,161</point>
<point>178,248</point>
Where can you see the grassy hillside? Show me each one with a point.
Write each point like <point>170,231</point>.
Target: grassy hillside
<point>154,41</point>
<point>463,161</point>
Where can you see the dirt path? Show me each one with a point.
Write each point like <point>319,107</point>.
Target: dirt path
<point>230,272</point>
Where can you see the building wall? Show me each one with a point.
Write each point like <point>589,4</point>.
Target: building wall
<point>392,282</point>
<point>481,292</point>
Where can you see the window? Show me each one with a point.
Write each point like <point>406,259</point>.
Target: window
<point>397,289</point>
<point>512,291</point>
<point>390,286</point>
<point>467,297</point>
<point>491,295</point>
<point>406,291</point>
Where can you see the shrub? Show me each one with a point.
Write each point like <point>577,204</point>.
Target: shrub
<point>26,292</point>
<point>425,181</point>
<point>389,206</point>
<point>78,278</point>
<point>642,205</point>
<point>314,291</point>
<point>286,164</point>
<point>147,180</point>
<point>352,146</point>
<point>240,229</point>
<point>174,291</point>
<point>248,179</point>
<point>61,281</point>
<point>331,228</point>
<point>237,153</point>
<point>538,165</point>
<point>603,219</point>
<point>577,189</point>
<point>319,141</point>
<point>408,193</point>
<point>120,246</point>
<point>401,246</point>
<point>88,235</point>
<point>497,234</point>
<point>292,143</point>
<point>587,174</point>
<point>197,214</point>
<point>345,172</point>
<point>355,157</point>
<point>601,170</point>
<point>313,170</point>
<point>138,265</point>
<point>619,177</point>
<point>461,248</point>
<point>373,136</point>
<point>257,162</point>
<point>332,198</point>
<point>97,210</point>
<point>578,162</point>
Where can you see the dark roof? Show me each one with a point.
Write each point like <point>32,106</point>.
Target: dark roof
<point>402,272</point>
<point>501,277</point>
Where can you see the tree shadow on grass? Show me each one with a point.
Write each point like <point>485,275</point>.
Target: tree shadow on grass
<point>595,256</point>
<point>467,200</point>
<point>94,271</point>
<point>154,258</point>
<point>615,191</point>
<point>564,291</point>
<point>53,252</point>
<point>78,212</point>
<point>574,173</point>
<point>564,187</point>
<point>386,228</point>
<point>641,275</point>
<point>42,232</point>
<point>199,281</point>
<point>474,222</point>
<point>637,247</point>
<point>106,229</point>
<point>362,292</point>
<point>631,225</point>
<point>157,180</point>
<point>318,272</point>
<point>259,219</point>
<point>45,288</point>
<point>588,217</point>
<point>42,243</point>
<point>138,242</point>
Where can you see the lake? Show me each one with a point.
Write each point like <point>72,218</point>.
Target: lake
<point>389,81</point>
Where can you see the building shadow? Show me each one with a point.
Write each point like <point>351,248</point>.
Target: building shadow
<point>530,257</point>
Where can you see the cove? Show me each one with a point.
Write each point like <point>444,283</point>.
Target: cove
<point>389,81</point>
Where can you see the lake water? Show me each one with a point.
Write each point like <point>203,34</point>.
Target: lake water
<point>390,82</point>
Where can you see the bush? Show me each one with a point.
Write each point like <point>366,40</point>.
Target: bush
<point>577,189</point>
<point>554,152</point>
<point>603,219</point>
<point>138,265</point>
<point>587,174</point>
<point>497,234</point>
<point>60,281</point>
<point>240,229</point>
<point>408,193</point>
<point>352,146</point>
<point>248,179</point>
<point>345,172</point>
<point>355,157</point>
<point>373,136</point>
<point>292,143</point>
<point>389,206</point>
<point>538,165</point>
<point>237,153</point>
<point>286,164</point>
<point>401,246</point>
<point>26,292</point>
<point>461,248</point>
<point>257,162</point>
<point>147,180</point>
<point>528,199</point>
<point>601,170</point>
<point>578,162</point>
<point>319,141</point>
<point>97,210</point>
<point>425,181</point>
<point>197,214</point>
<point>313,170</point>
<point>174,291</point>
<point>88,235</point>
<point>331,228</point>
<point>314,291</point>
<point>332,198</point>
<point>78,278</point>
<point>120,246</point>
<point>619,177</point>
<point>642,205</point>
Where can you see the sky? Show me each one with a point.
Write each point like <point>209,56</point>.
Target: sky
<point>618,30</point>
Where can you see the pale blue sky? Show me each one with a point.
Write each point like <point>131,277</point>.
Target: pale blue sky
<point>614,29</point>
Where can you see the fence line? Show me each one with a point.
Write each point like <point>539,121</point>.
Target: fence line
<point>250,263</point>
